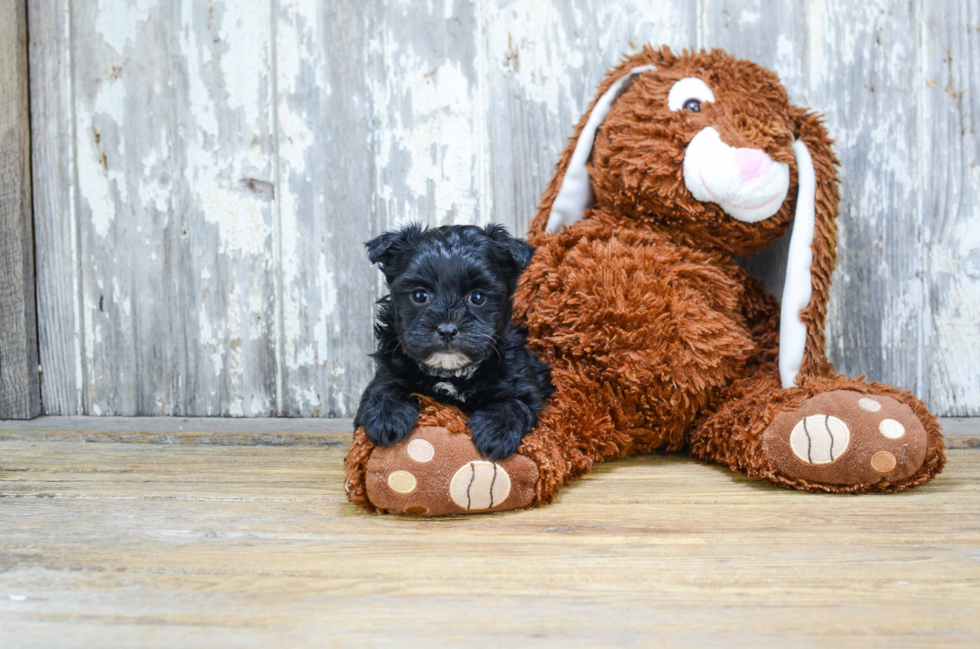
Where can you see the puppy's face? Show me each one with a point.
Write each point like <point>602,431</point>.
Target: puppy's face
<point>451,289</point>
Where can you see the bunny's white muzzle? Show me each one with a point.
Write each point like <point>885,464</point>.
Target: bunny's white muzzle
<point>746,183</point>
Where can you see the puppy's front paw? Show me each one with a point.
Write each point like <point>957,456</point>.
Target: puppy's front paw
<point>496,433</point>
<point>389,421</point>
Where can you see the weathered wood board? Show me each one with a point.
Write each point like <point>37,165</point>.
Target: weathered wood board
<point>950,206</point>
<point>20,388</point>
<point>187,545</point>
<point>205,174</point>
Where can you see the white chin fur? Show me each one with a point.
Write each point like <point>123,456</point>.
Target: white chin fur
<point>448,361</point>
<point>712,176</point>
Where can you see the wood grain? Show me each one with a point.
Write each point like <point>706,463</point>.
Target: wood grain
<point>950,97</point>
<point>864,72</point>
<point>120,545</point>
<point>544,62</point>
<point>204,256</point>
<point>859,64</point>
<point>20,394</point>
<point>175,165</point>
<point>211,431</point>
<point>326,207</point>
<point>56,217</point>
<point>959,433</point>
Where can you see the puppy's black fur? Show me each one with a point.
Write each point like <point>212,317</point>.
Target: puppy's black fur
<point>445,331</point>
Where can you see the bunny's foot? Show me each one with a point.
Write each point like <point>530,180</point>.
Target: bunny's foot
<point>435,472</point>
<point>847,438</point>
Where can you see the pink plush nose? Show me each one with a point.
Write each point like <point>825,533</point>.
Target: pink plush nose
<point>752,163</point>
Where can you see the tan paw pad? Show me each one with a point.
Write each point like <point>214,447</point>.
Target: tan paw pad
<point>883,462</point>
<point>420,450</point>
<point>402,481</point>
<point>869,404</point>
<point>819,439</point>
<point>435,472</point>
<point>479,485</point>
<point>846,437</point>
<point>891,428</point>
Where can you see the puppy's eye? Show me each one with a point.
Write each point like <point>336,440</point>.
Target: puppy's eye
<point>477,298</point>
<point>420,297</point>
<point>693,105</point>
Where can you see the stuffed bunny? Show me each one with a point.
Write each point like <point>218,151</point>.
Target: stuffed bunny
<point>656,338</point>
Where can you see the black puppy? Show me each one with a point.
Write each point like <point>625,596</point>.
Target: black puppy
<point>445,331</point>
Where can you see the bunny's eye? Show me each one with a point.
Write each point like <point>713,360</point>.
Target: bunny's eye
<point>688,94</point>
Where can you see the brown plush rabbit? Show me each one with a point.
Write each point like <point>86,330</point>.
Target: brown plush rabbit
<point>657,339</point>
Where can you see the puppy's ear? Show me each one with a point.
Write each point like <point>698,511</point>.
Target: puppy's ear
<point>517,251</point>
<point>379,248</point>
<point>386,248</point>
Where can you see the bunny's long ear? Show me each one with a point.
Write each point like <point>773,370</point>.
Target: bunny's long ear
<point>812,254</point>
<point>569,193</point>
<point>575,193</point>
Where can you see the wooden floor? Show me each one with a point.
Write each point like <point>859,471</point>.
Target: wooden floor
<point>219,534</point>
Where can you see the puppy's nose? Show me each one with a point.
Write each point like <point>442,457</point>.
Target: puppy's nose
<point>448,331</point>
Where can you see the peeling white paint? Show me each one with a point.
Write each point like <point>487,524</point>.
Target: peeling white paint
<point>101,170</point>
<point>306,396</point>
<point>787,57</point>
<point>341,402</point>
<point>436,155</point>
<point>749,17</point>
<point>462,108</point>
<point>244,40</point>
<point>543,68</point>
<point>295,49</point>
<point>258,406</point>
<point>440,142</point>
<point>153,191</point>
<point>118,22</point>
<point>958,323</point>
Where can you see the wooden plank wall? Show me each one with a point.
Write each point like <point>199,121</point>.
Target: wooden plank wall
<point>20,393</point>
<point>205,173</point>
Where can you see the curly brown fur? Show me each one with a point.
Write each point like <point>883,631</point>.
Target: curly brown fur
<point>657,339</point>
<point>641,200</point>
